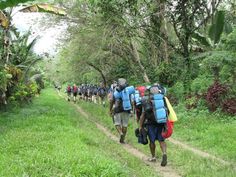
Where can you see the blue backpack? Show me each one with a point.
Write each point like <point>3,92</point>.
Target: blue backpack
<point>137,98</point>
<point>125,96</point>
<point>160,110</point>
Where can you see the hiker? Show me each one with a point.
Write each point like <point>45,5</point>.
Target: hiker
<point>102,94</point>
<point>111,90</point>
<point>153,118</point>
<point>137,98</point>
<point>95,93</point>
<point>75,92</point>
<point>120,107</point>
<point>68,91</point>
<point>80,92</point>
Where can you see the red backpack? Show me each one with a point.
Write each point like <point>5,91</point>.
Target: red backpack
<point>169,129</point>
<point>68,89</point>
<point>75,89</point>
<point>141,90</point>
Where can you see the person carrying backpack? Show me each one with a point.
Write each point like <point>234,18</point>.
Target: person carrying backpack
<point>137,98</point>
<point>102,91</point>
<point>95,93</point>
<point>75,92</point>
<point>68,91</point>
<point>154,118</point>
<point>122,107</point>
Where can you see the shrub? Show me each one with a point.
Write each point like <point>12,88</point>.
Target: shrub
<point>177,91</point>
<point>229,106</point>
<point>191,101</point>
<point>215,95</point>
<point>201,84</point>
<point>173,99</point>
<point>25,92</point>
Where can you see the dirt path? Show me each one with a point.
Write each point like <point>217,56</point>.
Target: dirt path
<point>164,171</point>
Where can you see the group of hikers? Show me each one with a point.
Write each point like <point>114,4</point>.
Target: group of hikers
<point>87,92</point>
<point>154,114</point>
<point>152,109</point>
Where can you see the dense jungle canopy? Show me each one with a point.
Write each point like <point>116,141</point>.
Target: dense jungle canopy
<point>187,46</point>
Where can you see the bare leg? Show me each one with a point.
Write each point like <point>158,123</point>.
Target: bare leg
<point>124,130</point>
<point>119,129</point>
<point>152,147</point>
<point>164,156</point>
<point>163,146</point>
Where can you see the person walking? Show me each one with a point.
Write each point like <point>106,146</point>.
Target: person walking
<point>68,91</point>
<point>75,92</point>
<point>149,121</point>
<point>120,107</point>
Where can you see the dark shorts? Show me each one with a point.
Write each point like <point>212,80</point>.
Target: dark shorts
<point>154,132</point>
<point>75,94</point>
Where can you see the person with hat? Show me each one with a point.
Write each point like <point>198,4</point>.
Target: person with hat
<point>120,107</point>
<point>154,129</point>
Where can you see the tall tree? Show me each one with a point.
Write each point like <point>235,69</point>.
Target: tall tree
<point>187,17</point>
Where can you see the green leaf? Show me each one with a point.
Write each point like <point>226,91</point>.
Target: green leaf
<point>44,8</point>
<point>228,28</point>
<point>217,27</point>
<point>202,39</point>
<point>4,21</point>
<point>11,3</point>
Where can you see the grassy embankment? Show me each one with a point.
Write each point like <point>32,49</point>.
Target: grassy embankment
<point>50,138</point>
<point>210,133</point>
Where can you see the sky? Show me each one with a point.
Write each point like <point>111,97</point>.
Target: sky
<point>48,37</point>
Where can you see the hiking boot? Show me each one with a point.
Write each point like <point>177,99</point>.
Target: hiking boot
<point>164,160</point>
<point>122,138</point>
<point>152,159</point>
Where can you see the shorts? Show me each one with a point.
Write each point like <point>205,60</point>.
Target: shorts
<point>74,94</point>
<point>154,132</point>
<point>121,119</point>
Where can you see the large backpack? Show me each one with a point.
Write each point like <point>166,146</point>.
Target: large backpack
<point>101,92</point>
<point>137,98</point>
<point>68,89</point>
<point>159,108</point>
<point>75,89</point>
<point>95,91</point>
<point>141,90</point>
<point>124,95</point>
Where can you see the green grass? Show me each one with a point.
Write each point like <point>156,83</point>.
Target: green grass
<point>183,161</point>
<point>214,133</point>
<point>50,138</point>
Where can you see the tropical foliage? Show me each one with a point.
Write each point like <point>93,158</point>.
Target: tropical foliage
<point>188,43</point>
<point>19,80</point>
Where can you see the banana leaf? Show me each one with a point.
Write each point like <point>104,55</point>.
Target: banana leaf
<point>4,20</point>
<point>217,27</point>
<point>44,8</point>
<point>202,39</point>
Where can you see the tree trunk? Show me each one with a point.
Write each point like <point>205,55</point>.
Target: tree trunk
<point>163,30</point>
<point>100,71</point>
<point>138,61</point>
<point>187,61</point>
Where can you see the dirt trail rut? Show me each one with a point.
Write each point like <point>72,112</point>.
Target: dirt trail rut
<point>166,171</point>
<point>163,171</point>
